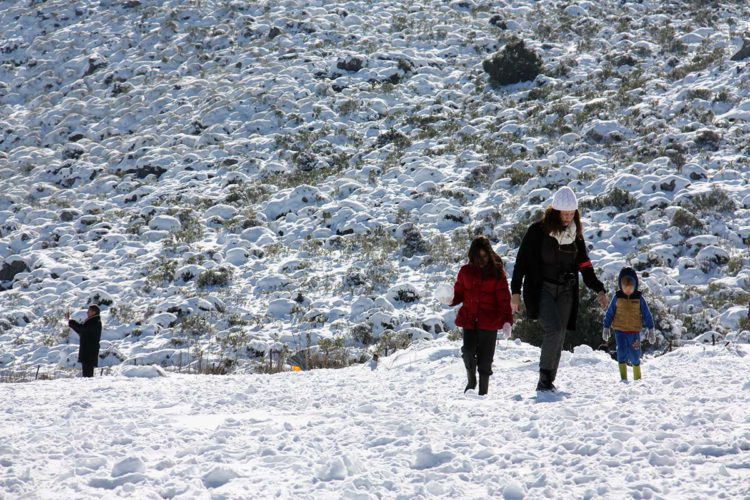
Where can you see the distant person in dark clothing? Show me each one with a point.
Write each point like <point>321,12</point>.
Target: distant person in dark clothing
<point>90,332</point>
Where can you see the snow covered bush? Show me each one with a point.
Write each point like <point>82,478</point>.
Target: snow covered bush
<point>686,223</point>
<point>214,277</point>
<point>715,201</point>
<point>514,63</point>
<point>617,198</point>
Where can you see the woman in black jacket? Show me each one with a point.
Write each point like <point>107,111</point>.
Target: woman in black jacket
<point>551,255</point>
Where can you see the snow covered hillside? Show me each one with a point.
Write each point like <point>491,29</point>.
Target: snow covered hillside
<point>230,179</point>
<point>400,430</point>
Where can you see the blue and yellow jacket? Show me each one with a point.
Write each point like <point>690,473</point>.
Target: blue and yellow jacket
<point>628,313</point>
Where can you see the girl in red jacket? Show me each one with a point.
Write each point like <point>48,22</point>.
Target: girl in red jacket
<point>482,287</point>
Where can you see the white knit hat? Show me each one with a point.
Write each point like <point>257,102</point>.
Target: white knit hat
<point>565,200</point>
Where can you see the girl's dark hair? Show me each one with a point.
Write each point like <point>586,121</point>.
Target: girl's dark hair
<point>552,222</point>
<point>494,264</point>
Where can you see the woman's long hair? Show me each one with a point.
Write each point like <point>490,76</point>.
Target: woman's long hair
<point>494,263</point>
<point>552,222</point>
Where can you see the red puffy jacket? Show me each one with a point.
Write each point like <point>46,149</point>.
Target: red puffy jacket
<point>486,300</point>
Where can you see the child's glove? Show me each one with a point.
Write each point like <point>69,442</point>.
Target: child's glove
<point>506,331</point>
<point>605,334</point>
<point>651,336</point>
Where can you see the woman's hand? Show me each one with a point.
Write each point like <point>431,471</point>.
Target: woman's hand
<point>603,301</point>
<point>515,302</point>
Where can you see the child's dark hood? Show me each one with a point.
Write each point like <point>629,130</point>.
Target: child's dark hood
<point>628,271</point>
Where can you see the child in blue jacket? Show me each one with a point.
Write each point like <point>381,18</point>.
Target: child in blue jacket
<point>627,315</point>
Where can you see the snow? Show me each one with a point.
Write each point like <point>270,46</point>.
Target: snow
<point>402,429</point>
<point>148,145</point>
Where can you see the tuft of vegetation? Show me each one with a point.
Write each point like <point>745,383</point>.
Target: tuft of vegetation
<point>715,201</point>
<point>617,197</point>
<point>512,64</point>
<point>686,223</point>
<point>221,276</point>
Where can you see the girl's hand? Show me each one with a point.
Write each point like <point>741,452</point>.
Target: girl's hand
<point>506,331</point>
<point>515,302</point>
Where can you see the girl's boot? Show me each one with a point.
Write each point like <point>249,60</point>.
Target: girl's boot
<point>623,371</point>
<point>484,384</point>
<point>637,372</point>
<point>471,375</point>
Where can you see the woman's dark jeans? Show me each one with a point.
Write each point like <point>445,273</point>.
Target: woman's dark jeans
<point>554,312</point>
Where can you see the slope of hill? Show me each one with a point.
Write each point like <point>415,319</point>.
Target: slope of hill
<point>228,179</point>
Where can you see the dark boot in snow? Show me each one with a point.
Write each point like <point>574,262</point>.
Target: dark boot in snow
<point>471,375</point>
<point>484,384</point>
<point>545,381</point>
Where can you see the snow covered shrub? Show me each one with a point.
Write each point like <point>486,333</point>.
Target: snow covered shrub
<point>514,63</point>
<point>744,323</point>
<point>617,198</point>
<point>695,324</point>
<point>707,140</point>
<point>720,296</point>
<point>354,279</point>
<point>162,272</point>
<point>376,242</point>
<point>362,333</point>
<point>331,353</point>
<point>699,93</point>
<point>391,341</point>
<point>123,314</point>
<point>214,277</point>
<point>668,39</point>
<point>513,236</point>
<point>195,325</point>
<point>715,201</point>
<point>393,136</point>
<point>449,251</point>
<point>191,227</point>
<point>686,223</point>
<point>381,272</point>
<point>517,177</point>
<point>698,63</point>
<point>712,257</point>
<point>404,293</point>
<point>413,243</point>
<point>481,176</point>
<point>529,331</point>
<point>241,195</point>
<point>589,322</point>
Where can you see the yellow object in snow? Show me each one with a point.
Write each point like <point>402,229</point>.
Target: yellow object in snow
<point>637,372</point>
<point>623,371</point>
<point>296,369</point>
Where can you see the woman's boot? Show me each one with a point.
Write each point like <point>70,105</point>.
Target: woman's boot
<point>484,384</point>
<point>545,381</point>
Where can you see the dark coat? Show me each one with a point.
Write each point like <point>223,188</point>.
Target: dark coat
<point>527,272</point>
<point>486,300</point>
<point>90,332</point>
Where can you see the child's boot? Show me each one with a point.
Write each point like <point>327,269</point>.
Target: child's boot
<point>623,371</point>
<point>637,372</point>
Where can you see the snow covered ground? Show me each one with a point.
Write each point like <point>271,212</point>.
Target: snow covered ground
<point>401,429</point>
